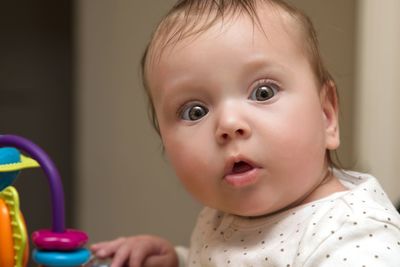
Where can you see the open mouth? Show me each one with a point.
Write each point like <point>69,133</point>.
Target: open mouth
<point>241,167</point>
<point>241,174</point>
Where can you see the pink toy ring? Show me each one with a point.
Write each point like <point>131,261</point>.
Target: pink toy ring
<point>69,240</point>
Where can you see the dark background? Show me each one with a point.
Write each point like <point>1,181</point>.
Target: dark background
<point>36,95</point>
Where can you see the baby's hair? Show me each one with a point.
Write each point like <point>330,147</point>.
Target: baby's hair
<point>188,18</point>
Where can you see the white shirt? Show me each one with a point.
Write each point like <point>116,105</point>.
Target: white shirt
<point>355,228</point>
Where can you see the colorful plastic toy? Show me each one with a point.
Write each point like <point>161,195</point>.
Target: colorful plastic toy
<point>57,246</point>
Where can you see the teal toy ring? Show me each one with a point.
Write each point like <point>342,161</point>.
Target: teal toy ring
<point>65,258</point>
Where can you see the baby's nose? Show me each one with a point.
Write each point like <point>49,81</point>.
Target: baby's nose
<point>232,125</point>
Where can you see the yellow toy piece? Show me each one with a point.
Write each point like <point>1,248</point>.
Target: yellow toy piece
<point>13,235</point>
<point>24,163</point>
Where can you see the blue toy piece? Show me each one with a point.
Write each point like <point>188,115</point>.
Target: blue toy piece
<point>61,258</point>
<point>11,162</point>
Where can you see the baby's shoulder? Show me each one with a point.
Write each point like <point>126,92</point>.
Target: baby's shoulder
<point>352,229</point>
<point>365,201</point>
<point>358,210</point>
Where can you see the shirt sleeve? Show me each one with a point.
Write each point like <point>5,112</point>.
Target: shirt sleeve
<point>369,242</point>
<point>183,254</point>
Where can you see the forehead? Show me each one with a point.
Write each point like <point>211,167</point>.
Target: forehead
<point>190,23</point>
<point>275,26</point>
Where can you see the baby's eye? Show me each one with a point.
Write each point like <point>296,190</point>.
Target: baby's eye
<point>193,112</point>
<point>263,92</point>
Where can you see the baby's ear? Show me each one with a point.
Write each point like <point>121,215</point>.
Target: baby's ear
<point>330,108</point>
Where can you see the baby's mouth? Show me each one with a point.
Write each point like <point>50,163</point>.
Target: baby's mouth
<point>241,174</point>
<point>241,167</point>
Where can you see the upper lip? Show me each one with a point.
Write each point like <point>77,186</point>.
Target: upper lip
<point>230,163</point>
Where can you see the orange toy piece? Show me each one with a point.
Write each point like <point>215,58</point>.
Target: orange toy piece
<point>6,240</point>
<point>13,235</point>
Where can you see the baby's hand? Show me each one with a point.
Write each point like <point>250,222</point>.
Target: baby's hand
<point>137,251</point>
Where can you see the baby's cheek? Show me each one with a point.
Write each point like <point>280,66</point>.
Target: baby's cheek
<point>193,163</point>
<point>184,156</point>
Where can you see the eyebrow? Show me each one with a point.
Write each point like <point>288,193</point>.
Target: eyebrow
<point>261,62</point>
<point>174,96</point>
<point>255,66</point>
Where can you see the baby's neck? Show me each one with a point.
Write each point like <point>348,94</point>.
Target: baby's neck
<point>329,185</point>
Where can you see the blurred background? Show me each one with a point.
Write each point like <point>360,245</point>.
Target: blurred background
<point>69,81</point>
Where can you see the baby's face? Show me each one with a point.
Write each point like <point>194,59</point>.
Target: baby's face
<point>241,116</point>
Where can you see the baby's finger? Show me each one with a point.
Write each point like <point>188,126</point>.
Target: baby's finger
<point>97,246</point>
<point>107,249</point>
<point>148,249</point>
<point>160,260</point>
<point>137,256</point>
<point>120,257</point>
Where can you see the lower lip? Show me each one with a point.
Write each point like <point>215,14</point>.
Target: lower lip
<point>242,179</point>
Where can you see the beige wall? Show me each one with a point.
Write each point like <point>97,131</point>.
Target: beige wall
<point>378,92</point>
<point>126,186</point>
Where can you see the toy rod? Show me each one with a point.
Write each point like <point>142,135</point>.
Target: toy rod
<point>49,168</point>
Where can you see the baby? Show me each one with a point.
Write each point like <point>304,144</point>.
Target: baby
<point>248,116</point>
